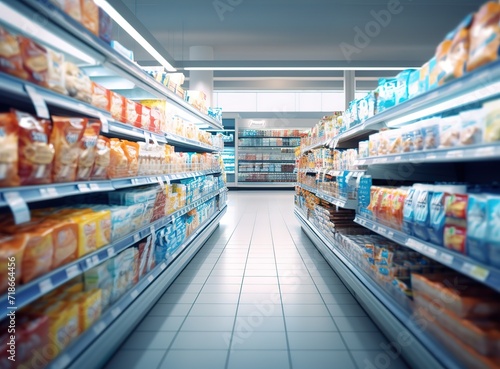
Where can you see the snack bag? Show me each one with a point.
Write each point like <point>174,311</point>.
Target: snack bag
<point>492,121</point>
<point>65,240</point>
<point>66,136</point>
<point>35,61</point>
<point>118,165</point>
<point>449,131</point>
<point>36,153</point>
<point>493,230</point>
<point>484,36</point>
<point>78,84</point>
<point>133,113</point>
<point>90,16</point>
<point>118,106</point>
<point>11,60</point>
<point>455,234</point>
<point>442,52</point>
<point>131,150</point>
<point>31,339</point>
<point>56,74</point>
<point>88,150</point>
<point>9,144</point>
<point>456,206</point>
<point>102,159</point>
<point>100,97</point>
<point>11,256</point>
<point>477,227</point>
<point>472,129</point>
<point>103,218</point>
<point>455,63</point>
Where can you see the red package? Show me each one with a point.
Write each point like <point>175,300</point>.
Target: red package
<point>35,61</point>
<point>9,144</point>
<point>11,60</point>
<point>117,106</point>
<point>102,159</point>
<point>88,150</point>
<point>100,97</point>
<point>133,113</point>
<point>456,206</point>
<point>455,236</point>
<point>146,121</point>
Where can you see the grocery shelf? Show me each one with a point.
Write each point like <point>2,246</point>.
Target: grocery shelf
<point>485,274</point>
<point>394,319</point>
<point>128,131</point>
<point>266,184</point>
<point>317,145</point>
<point>48,282</point>
<point>113,60</point>
<point>308,188</point>
<point>268,137</point>
<point>59,190</point>
<point>189,144</point>
<point>266,147</point>
<point>285,161</point>
<point>96,345</point>
<point>458,154</point>
<point>476,86</point>
<point>343,203</point>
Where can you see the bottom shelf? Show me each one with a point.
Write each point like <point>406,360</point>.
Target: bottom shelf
<point>397,322</point>
<point>95,346</point>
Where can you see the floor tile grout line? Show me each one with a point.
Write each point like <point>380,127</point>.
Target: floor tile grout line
<point>324,302</point>
<point>228,356</point>
<point>187,314</point>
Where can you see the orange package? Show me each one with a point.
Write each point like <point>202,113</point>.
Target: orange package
<point>131,150</point>
<point>36,153</point>
<point>65,240</point>
<point>39,249</point>
<point>456,60</point>
<point>133,113</point>
<point>35,61</point>
<point>88,150</point>
<point>11,257</point>
<point>66,136</point>
<point>118,106</point>
<point>11,60</point>
<point>90,16</point>
<point>102,159</point>
<point>100,96</point>
<point>9,143</point>
<point>484,36</point>
<point>442,52</point>
<point>118,165</point>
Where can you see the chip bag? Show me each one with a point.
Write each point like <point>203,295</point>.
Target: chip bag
<point>102,159</point>
<point>9,143</point>
<point>11,257</point>
<point>11,60</point>
<point>88,150</point>
<point>118,165</point>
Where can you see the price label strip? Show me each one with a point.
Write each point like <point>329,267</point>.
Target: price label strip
<point>18,207</point>
<point>38,102</point>
<point>104,123</point>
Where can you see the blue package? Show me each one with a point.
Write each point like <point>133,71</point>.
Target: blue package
<point>433,73</point>
<point>414,84</point>
<point>493,230</point>
<point>363,110</point>
<point>422,213</point>
<point>387,96</point>
<point>437,217</point>
<point>409,210</point>
<point>353,109</point>
<point>401,88</point>
<point>477,227</point>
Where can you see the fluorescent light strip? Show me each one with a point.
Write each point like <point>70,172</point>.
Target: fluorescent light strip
<point>117,17</point>
<point>480,94</point>
<point>293,68</point>
<point>30,27</point>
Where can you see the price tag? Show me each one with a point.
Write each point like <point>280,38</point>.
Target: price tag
<point>94,187</point>
<point>155,141</point>
<point>45,286</point>
<point>455,154</point>
<point>137,238</point>
<point>485,151</point>
<point>90,263</point>
<point>95,259</point>
<point>382,230</point>
<point>116,312</point>
<point>361,162</point>
<point>397,158</point>
<point>146,138</point>
<point>163,266</point>
<point>475,271</point>
<point>430,156</point>
<point>38,102</point>
<point>414,244</point>
<point>72,271</point>
<point>151,279</point>
<point>161,183</point>
<point>49,192</point>
<point>111,252</point>
<point>83,187</point>
<point>167,178</point>
<point>134,294</point>
<point>18,207</point>
<point>445,258</point>
<point>104,123</point>
<point>99,327</point>
<point>390,234</point>
<point>152,229</point>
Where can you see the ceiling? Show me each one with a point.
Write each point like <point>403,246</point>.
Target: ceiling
<point>299,33</point>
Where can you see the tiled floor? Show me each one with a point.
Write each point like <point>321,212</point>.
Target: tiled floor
<point>258,295</point>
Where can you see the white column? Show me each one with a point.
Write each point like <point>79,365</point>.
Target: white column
<point>349,86</point>
<point>202,80</point>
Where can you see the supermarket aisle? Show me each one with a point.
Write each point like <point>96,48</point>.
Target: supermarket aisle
<point>258,295</point>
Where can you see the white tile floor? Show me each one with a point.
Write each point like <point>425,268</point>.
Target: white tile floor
<point>258,295</point>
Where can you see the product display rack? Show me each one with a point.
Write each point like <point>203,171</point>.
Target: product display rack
<point>343,203</point>
<point>392,317</point>
<point>94,346</point>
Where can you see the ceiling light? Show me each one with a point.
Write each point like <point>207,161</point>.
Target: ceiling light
<point>293,68</point>
<point>118,18</point>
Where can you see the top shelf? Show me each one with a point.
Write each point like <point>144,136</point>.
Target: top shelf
<point>474,87</point>
<point>75,34</point>
<point>268,137</point>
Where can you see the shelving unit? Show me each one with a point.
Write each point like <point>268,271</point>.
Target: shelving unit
<point>396,315</point>
<point>94,346</point>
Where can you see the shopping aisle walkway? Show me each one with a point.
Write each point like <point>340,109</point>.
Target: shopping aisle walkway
<point>259,296</point>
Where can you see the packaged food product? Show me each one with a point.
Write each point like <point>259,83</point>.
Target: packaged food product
<point>133,113</point>
<point>158,114</point>
<point>118,106</point>
<point>442,53</point>
<point>449,131</point>
<point>430,129</point>
<point>100,278</point>
<point>88,150</point>
<point>11,59</point>
<point>78,84</point>
<point>414,84</point>
<point>64,324</point>
<point>373,142</point>
<point>11,256</point>
<point>102,159</point>
<point>87,233</point>
<point>55,73</point>
<point>103,219</point>
<point>456,206</point>
<point>472,130</point>
<point>100,96</point>
<point>31,340</point>
<point>493,229</point>
<point>484,36</point>
<point>409,210</point>
<point>464,297</point>
<point>105,26</point>
<point>131,150</point>
<point>70,7</point>
<point>66,138</point>
<point>424,78</point>
<point>90,16</point>
<point>35,61</point>
<point>383,143</point>
<point>477,223</point>
<point>395,138</point>
<point>35,151</point>
<point>455,234</point>
<point>408,140</point>
<point>422,211</point>
<point>401,91</point>
<point>456,59</point>
<point>65,240</point>
<point>90,308</point>
<point>118,165</point>
<point>437,216</point>
<point>146,120</point>
<point>433,73</point>
<point>492,121</point>
<point>9,145</point>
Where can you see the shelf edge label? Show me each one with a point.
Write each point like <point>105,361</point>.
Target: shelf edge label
<point>42,111</point>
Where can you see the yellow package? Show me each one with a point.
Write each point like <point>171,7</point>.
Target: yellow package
<point>64,325</point>
<point>87,233</point>
<point>90,308</point>
<point>103,218</point>
<point>492,121</point>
